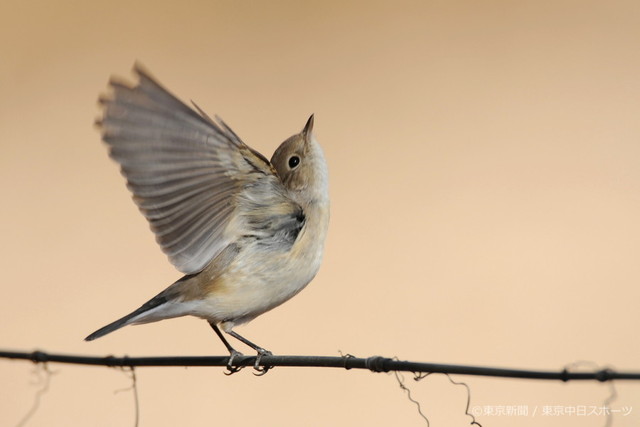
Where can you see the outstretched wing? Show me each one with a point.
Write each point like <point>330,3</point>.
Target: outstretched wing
<point>189,174</point>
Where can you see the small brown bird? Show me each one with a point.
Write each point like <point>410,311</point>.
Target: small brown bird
<point>248,233</point>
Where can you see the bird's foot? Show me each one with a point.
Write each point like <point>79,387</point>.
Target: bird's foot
<point>261,370</point>
<point>231,369</point>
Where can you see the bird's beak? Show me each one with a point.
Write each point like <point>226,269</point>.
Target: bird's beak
<point>308,128</point>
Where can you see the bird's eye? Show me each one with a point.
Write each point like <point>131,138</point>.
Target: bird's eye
<point>294,161</point>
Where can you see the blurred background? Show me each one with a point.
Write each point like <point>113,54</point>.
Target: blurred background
<point>485,184</point>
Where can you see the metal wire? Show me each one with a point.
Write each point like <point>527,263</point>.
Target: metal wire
<point>375,364</point>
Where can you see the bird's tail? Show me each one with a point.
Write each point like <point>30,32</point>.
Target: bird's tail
<point>130,318</point>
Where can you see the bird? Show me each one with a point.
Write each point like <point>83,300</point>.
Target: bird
<point>247,233</point>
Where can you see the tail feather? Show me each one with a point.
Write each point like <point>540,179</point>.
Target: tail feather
<point>126,320</point>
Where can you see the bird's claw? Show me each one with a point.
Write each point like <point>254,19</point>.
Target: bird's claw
<point>261,370</point>
<point>231,369</point>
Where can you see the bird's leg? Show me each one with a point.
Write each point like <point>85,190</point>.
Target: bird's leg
<point>232,351</point>
<point>261,352</point>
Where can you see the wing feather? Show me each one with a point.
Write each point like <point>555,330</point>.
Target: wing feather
<point>190,176</point>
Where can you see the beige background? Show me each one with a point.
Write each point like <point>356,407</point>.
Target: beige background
<point>485,184</point>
